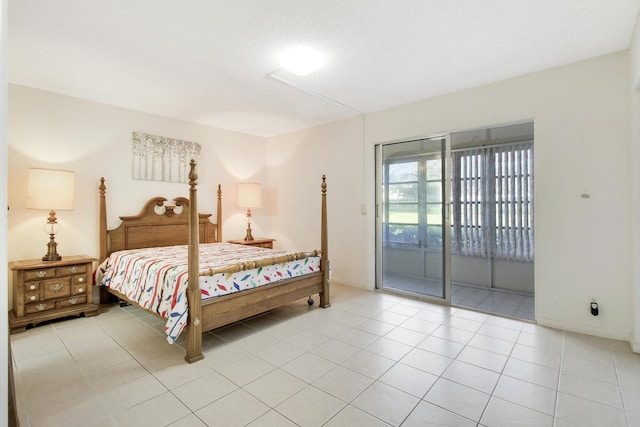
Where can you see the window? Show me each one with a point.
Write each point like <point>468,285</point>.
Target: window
<point>413,214</point>
<point>433,203</point>
<point>492,199</point>
<point>402,218</point>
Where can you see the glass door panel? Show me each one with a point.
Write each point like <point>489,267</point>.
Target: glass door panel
<point>412,222</point>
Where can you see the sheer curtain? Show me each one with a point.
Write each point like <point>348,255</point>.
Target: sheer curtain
<point>492,202</point>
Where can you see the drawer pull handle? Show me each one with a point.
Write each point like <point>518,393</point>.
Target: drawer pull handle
<point>57,287</point>
<point>73,269</point>
<point>32,287</point>
<point>80,279</point>
<point>80,290</point>
<point>41,307</point>
<point>73,300</point>
<point>41,273</point>
<point>32,298</point>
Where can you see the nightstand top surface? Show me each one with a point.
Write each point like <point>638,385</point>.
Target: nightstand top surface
<point>39,263</point>
<point>254,241</point>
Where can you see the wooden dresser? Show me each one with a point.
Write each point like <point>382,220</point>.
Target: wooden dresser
<point>46,290</point>
<point>262,243</point>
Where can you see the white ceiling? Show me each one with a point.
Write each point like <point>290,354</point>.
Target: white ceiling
<point>210,61</point>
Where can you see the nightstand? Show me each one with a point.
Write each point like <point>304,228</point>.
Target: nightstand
<point>47,290</point>
<point>262,243</point>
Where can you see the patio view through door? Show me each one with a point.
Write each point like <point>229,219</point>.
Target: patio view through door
<point>455,218</point>
<point>413,204</point>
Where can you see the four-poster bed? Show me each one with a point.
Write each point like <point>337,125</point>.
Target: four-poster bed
<point>182,228</point>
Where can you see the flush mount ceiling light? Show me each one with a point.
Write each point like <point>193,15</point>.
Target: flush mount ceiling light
<point>301,60</point>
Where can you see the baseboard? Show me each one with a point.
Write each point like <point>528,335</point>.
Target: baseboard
<point>338,281</point>
<point>582,329</point>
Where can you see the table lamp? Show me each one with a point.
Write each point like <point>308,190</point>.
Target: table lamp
<point>249,196</point>
<point>52,190</point>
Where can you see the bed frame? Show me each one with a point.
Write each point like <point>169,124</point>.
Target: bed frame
<point>160,224</point>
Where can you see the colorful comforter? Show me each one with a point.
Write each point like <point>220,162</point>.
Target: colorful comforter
<point>157,278</point>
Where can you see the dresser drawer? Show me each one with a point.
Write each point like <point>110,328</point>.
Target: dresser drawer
<point>72,269</point>
<point>42,273</point>
<point>79,280</point>
<point>79,289</point>
<point>66,302</point>
<point>30,297</point>
<point>32,287</point>
<point>39,307</point>
<point>56,288</point>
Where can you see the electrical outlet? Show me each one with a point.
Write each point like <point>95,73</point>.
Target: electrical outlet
<point>594,307</point>
<point>363,209</point>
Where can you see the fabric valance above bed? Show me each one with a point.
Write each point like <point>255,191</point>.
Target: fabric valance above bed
<point>157,278</point>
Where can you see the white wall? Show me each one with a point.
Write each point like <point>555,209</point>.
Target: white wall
<point>635,212</point>
<point>582,144</point>
<point>634,87</point>
<point>295,165</point>
<point>94,140</point>
<point>4,320</point>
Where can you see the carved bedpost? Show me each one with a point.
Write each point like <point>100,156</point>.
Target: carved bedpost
<point>102,189</point>
<point>105,297</point>
<point>219,215</point>
<point>325,297</point>
<point>194,298</point>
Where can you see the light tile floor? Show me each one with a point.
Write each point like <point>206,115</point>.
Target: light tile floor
<point>372,359</point>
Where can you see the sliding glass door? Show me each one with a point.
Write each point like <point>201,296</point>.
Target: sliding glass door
<point>412,217</point>
<point>455,218</point>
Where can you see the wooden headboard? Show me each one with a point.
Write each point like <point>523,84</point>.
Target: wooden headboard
<point>158,224</point>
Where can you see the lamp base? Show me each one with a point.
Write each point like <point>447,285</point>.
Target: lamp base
<point>52,253</point>
<point>249,236</point>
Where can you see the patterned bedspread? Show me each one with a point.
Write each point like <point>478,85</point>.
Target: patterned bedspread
<point>157,278</point>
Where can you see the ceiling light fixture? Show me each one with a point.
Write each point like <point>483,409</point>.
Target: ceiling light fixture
<point>301,60</point>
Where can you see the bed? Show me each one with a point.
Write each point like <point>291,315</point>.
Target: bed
<point>176,230</point>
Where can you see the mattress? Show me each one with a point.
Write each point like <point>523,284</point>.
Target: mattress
<point>157,278</point>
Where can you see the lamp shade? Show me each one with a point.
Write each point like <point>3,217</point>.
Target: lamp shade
<point>249,195</point>
<point>50,189</point>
